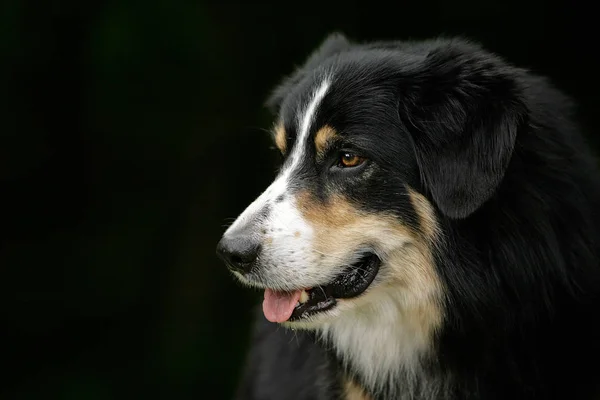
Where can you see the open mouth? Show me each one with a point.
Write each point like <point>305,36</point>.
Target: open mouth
<point>299,304</point>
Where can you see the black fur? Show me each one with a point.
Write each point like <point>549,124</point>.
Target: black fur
<point>285,364</point>
<point>517,191</point>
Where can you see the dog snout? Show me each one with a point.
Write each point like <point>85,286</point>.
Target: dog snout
<point>239,252</point>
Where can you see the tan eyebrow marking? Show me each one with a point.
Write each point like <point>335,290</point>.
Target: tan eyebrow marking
<point>323,138</point>
<point>280,138</point>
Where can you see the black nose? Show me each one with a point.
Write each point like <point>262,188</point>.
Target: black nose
<point>238,252</point>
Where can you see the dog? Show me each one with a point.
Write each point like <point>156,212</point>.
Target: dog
<point>433,233</point>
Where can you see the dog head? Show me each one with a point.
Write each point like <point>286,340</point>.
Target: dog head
<point>383,144</point>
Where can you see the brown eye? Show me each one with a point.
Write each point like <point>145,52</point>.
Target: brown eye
<point>348,160</point>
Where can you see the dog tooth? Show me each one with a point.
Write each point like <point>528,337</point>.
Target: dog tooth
<point>303,297</point>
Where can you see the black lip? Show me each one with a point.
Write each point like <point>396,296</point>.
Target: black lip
<point>350,283</point>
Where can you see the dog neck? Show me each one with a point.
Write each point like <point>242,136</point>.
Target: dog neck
<point>385,348</point>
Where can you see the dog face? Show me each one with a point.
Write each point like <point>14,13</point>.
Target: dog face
<point>381,144</point>
<point>324,232</point>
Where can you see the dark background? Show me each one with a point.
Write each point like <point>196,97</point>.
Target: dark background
<point>132,132</point>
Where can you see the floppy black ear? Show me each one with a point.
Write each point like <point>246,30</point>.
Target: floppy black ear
<point>463,108</point>
<point>333,44</point>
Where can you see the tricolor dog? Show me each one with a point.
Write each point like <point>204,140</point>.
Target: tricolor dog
<point>433,233</point>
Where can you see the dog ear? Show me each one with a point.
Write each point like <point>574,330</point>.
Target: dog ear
<point>463,109</point>
<point>334,43</point>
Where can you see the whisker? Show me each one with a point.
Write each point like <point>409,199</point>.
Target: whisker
<point>322,290</point>
<point>260,128</point>
<point>339,258</point>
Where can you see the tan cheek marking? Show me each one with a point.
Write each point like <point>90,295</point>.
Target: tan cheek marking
<point>354,392</point>
<point>323,138</point>
<point>426,213</point>
<point>280,138</point>
<point>297,234</point>
<point>414,272</point>
<point>339,224</point>
<point>341,228</point>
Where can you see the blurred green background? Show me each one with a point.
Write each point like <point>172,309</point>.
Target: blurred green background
<point>133,131</point>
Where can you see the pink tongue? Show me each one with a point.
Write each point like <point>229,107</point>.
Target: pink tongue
<point>278,306</point>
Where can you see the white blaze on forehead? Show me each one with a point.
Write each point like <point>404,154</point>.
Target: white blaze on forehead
<point>291,217</point>
<point>305,123</point>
